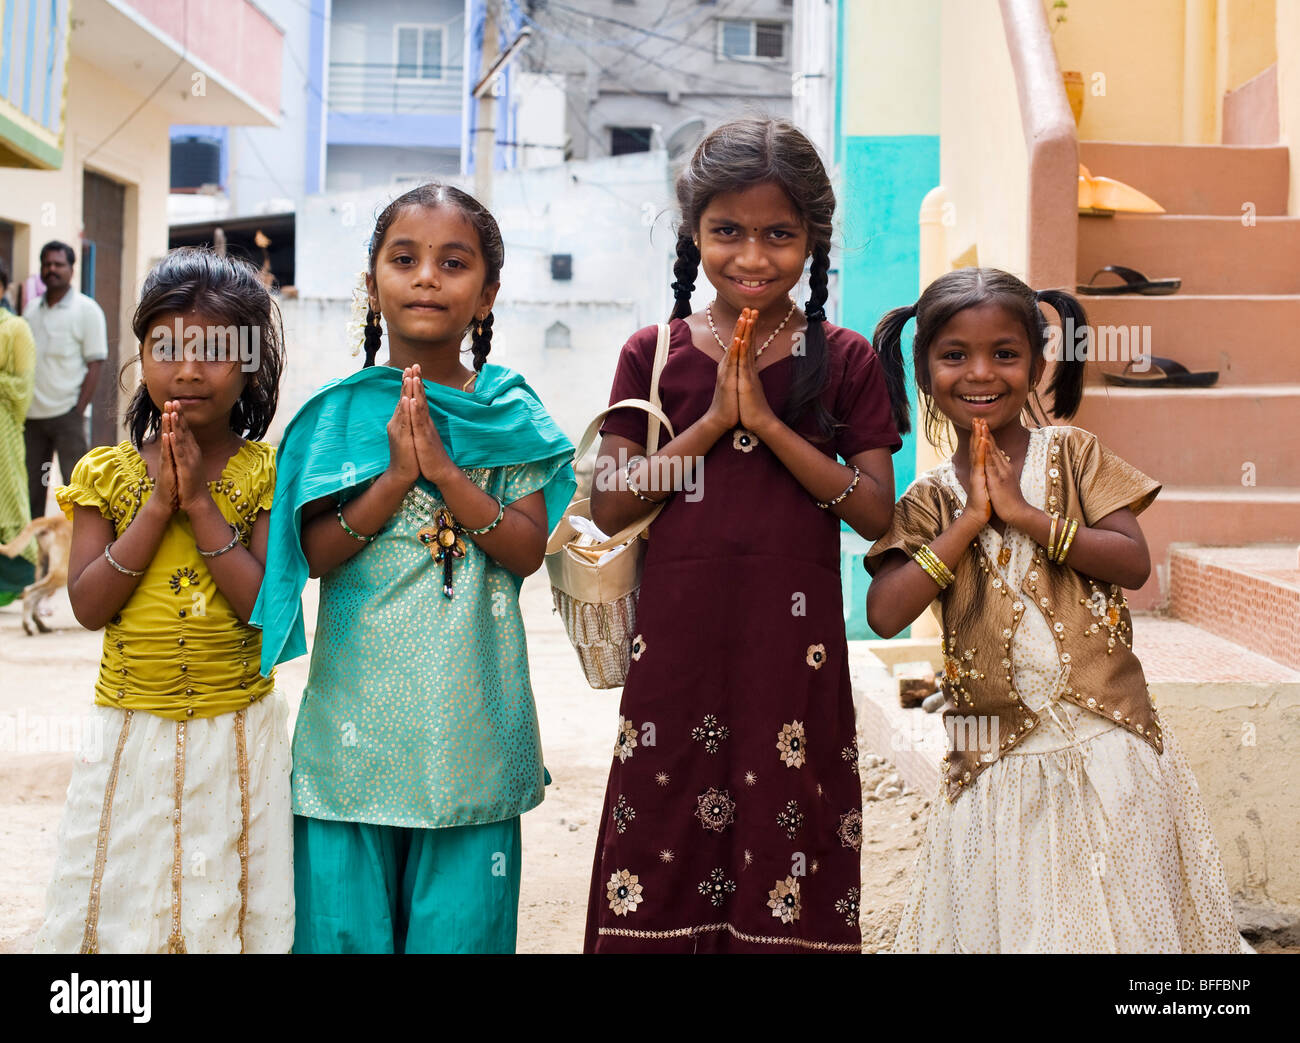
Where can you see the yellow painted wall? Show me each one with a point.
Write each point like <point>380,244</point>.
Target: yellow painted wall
<point>984,163</point>
<point>887,90</point>
<point>1132,53</point>
<point>46,204</point>
<point>1157,70</point>
<point>1246,37</point>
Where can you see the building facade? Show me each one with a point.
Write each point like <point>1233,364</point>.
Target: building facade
<point>634,75</point>
<point>86,104</point>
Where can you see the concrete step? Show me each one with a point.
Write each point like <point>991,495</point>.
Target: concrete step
<point>1223,515</point>
<point>1197,179</point>
<point>1200,436</point>
<point>1247,338</point>
<point>1212,255</point>
<point>1247,594</point>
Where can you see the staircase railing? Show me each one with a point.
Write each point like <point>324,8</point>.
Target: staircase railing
<point>1052,144</point>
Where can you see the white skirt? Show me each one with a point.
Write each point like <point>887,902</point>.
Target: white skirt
<point>1100,845</point>
<point>177,837</point>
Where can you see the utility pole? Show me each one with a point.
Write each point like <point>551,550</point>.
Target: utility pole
<point>485,129</point>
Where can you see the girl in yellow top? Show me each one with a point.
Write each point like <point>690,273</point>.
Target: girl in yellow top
<point>177,837</point>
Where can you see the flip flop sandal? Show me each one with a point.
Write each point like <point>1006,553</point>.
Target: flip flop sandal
<point>1163,373</point>
<point>1134,282</point>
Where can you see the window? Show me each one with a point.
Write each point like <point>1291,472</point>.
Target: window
<point>417,52</point>
<point>623,140</point>
<point>751,39</point>
<point>557,336</point>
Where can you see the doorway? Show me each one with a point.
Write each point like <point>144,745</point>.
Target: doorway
<point>102,205</point>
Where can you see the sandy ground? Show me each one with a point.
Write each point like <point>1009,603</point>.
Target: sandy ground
<point>48,682</point>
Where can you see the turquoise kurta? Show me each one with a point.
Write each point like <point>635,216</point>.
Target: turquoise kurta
<point>418,709</point>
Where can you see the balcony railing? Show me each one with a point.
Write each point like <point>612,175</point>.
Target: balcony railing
<point>375,87</point>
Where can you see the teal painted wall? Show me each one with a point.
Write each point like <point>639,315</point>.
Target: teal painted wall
<point>883,182</point>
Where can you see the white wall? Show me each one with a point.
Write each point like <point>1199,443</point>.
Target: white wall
<point>610,214</point>
<point>351,167</point>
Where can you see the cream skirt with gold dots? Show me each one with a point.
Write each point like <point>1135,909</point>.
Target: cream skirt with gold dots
<point>177,837</point>
<point>1097,846</point>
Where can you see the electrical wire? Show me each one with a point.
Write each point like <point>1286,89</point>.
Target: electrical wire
<point>185,53</point>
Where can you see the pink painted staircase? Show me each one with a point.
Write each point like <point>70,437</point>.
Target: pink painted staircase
<point>1228,455</point>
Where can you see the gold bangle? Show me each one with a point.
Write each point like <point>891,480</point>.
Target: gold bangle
<point>1051,538</point>
<point>934,567</point>
<point>1066,540</point>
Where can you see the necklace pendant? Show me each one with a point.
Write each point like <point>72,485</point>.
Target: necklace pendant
<point>445,544</point>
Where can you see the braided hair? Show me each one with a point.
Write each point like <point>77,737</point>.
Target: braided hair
<point>374,334</point>
<point>968,288</point>
<point>432,196</point>
<point>482,341</point>
<point>742,154</point>
<point>684,271</point>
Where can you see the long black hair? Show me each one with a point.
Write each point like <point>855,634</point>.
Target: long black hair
<point>226,291</point>
<point>739,155</point>
<point>967,288</point>
<point>432,196</point>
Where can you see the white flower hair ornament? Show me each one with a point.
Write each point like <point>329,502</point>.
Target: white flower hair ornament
<point>357,320</point>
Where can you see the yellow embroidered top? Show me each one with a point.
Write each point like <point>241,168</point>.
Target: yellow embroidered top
<point>176,649</point>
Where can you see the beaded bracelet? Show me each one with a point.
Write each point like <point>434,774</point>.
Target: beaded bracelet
<point>501,513</point>
<point>217,553</point>
<point>352,532</point>
<point>857,475</point>
<point>934,567</point>
<point>120,568</point>
<point>631,486</point>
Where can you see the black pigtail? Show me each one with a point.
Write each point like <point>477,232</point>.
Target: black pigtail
<point>373,336</point>
<point>482,341</point>
<point>812,370</point>
<point>684,271</point>
<point>888,342</point>
<point>1066,387</point>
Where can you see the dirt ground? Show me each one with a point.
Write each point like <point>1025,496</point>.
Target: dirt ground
<point>48,682</point>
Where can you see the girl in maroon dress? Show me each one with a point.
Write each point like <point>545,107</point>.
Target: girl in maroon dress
<point>733,815</point>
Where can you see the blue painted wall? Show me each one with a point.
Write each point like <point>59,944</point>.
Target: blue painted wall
<point>32,67</point>
<point>884,181</point>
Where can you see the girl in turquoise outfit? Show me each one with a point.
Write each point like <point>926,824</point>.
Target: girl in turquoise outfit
<point>421,492</point>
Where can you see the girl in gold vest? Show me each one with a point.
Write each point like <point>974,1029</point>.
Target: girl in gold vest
<point>1071,821</point>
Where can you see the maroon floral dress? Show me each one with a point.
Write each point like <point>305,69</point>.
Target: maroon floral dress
<point>733,815</point>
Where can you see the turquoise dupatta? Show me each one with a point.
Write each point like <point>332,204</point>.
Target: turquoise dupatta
<point>339,439</point>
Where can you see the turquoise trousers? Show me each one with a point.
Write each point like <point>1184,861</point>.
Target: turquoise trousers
<point>362,888</point>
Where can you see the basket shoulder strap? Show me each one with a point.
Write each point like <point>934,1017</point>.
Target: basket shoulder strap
<point>589,436</point>
<point>661,356</point>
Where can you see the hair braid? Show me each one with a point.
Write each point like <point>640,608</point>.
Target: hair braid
<point>684,271</point>
<point>813,369</point>
<point>373,336</point>
<point>815,310</point>
<point>482,341</point>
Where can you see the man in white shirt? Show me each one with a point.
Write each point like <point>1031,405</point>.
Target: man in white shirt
<point>71,346</point>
